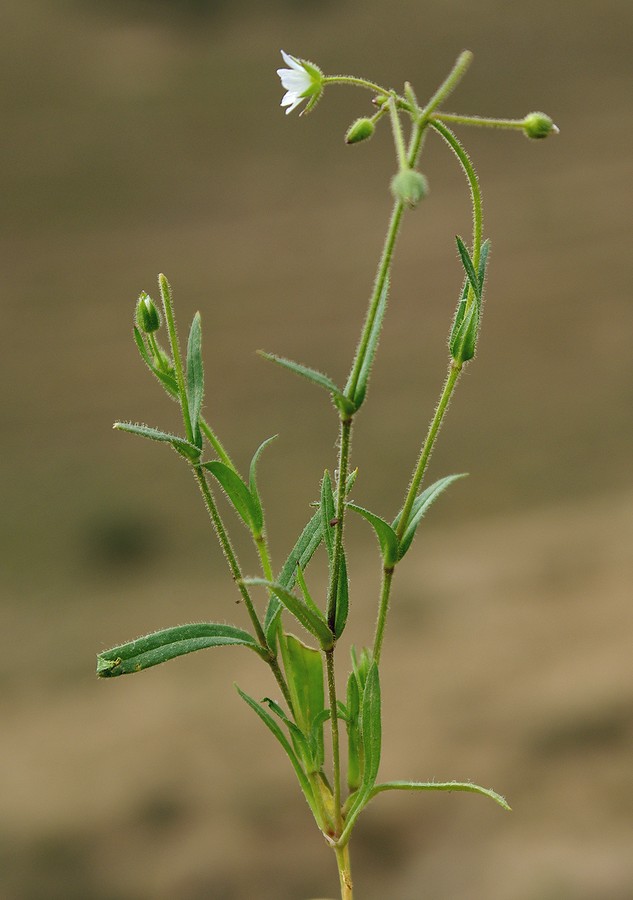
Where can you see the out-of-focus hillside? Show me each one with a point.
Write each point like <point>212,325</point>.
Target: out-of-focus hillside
<point>144,137</point>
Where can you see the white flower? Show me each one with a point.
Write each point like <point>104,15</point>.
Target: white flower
<point>302,81</point>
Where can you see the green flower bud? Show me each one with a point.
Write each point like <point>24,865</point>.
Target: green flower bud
<point>537,125</point>
<point>360,130</point>
<point>147,315</point>
<point>409,186</point>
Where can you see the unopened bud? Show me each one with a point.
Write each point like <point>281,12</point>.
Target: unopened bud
<point>147,315</point>
<point>409,187</point>
<point>360,130</point>
<point>537,125</point>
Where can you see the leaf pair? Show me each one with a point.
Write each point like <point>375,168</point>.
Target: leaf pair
<point>465,329</point>
<point>393,548</point>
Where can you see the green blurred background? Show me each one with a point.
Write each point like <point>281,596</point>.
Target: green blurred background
<point>140,137</point>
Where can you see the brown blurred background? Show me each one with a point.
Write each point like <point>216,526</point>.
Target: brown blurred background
<point>143,136</point>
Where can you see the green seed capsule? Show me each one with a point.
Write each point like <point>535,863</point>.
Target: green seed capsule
<point>360,130</point>
<point>537,126</point>
<point>409,187</point>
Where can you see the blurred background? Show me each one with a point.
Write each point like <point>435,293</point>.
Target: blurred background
<point>140,137</point>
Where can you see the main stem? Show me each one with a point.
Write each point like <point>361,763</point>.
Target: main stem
<point>344,872</point>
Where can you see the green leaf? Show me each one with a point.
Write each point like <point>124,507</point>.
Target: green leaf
<point>270,723</point>
<point>483,263</point>
<point>419,508</point>
<point>370,729</point>
<point>386,535</point>
<point>195,376</point>
<point>238,493</point>
<point>252,482</point>
<point>189,451</point>
<point>328,514</point>
<point>370,349</point>
<point>344,405</point>
<point>166,378</point>
<point>303,666</point>
<point>342,599</point>
<point>448,786</point>
<point>354,752</point>
<point>463,341</point>
<point>161,646</point>
<point>306,593</point>
<point>469,267</point>
<point>312,621</point>
<point>299,741</point>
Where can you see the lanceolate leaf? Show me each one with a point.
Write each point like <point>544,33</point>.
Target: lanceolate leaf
<point>483,263</point>
<point>270,723</point>
<point>370,350</point>
<point>342,599</point>
<point>195,375</point>
<point>370,729</point>
<point>341,401</point>
<point>384,532</point>
<point>328,513</point>
<point>303,666</point>
<point>238,493</point>
<point>189,451</point>
<point>448,786</point>
<point>419,508</point>
<point>304,614</point>
<point>469,267</point>
<point>161,646</point>
<point>252,476</point>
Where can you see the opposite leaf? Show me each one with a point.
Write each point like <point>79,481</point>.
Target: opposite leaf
<point>344,405</point>
<point>246,506</point>
<point>180,445</point>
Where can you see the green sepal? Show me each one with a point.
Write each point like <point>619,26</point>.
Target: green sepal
<point>303,666</point>
<point>386,535</point>
<point>270,723</point>
<point>463,341</point>
<point>166,378</point>
<point>252,476</point>
<point>313,621</point>
<point>448,786</point>
<point>469,268</point>
<point>189,451</point>
<point>370,349</point>
<point>161,646</point>
<point>195,377</point>
<point>343,403</point>
<point>245,505</point>
<point>419,508</point>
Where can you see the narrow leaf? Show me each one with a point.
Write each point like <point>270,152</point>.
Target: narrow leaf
<point>370,729</point>
<point>342,599</point>
<point>328,514</point>
<point>238,493</point>
<point>448,786</point>
<point>179,444</point>
<point>195,375</point>
<point>341,401</point>
<point>303,666</point>
<point>483,263</point>
<point>372,344</point>
<point>419,508</point>
<point>161,646</point>
<point>384,532</point>
<point>306,593</point>
<point>305,615</point>
<point>270,723</point>
<point>252,477</point>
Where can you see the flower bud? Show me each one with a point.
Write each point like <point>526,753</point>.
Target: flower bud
<point>147,315</point>
<point>360,130</point>
<point>409,187</point>
<point>537,125</point>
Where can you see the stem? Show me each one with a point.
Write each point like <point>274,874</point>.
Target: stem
<point>425,453</point>
<point>336,758</point>
<point>165,292</point>
<point>449,84</point>
<point>398,137</point>
<point>481,122</point>
<point>214,440</point>
<point>343,469</point>
<point>359,82</point>
<point>236,572</point>
<point>344,872</point>
<point>383,609</point>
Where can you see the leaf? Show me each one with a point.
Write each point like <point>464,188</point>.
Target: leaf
<point>195,376</point>
<point>304,614</point>
<point>270,723</point>
<point>328,514</point>
<point>419,508</point>
<point>299,740</point>
<point>469,267</point>
<point>189,451</point>
<point>370,349</point>
<point>386,535</point>
<point>303,666</point>
<point>354,753</point>
<point>238,493</point>
<point>341,401</point>
<point>306,593</point>
<point>161,646</point>
<point>463,341</point>
<point>483,262</point>
<point>342,599</point>
<point>252,478</point>
<point>448,786</point>
<point>370,729</point>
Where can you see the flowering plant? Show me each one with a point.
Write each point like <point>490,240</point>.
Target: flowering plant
<point>303,667</point>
